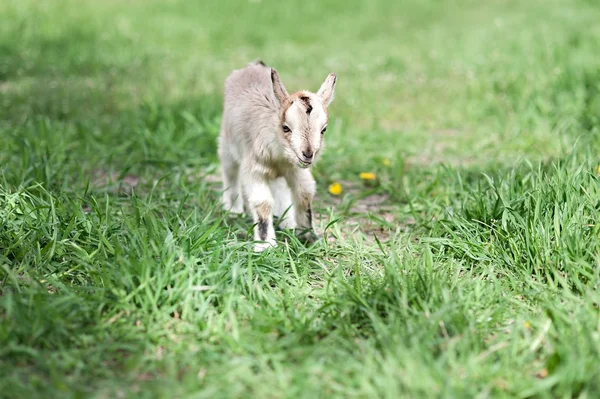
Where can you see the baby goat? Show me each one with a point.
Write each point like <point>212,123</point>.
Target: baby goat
<point>269,139</point>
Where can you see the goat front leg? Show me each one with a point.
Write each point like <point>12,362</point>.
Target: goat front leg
<point>260,203</point>
<point>303,187</point>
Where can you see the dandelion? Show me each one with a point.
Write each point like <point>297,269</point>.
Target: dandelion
<point>527,325</point>
<point>367,176</point>
<point>543,373</point>
<point>386,162</point>
<point>335,188</point>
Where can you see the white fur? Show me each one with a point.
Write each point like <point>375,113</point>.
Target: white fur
<point>283,203</point>
<point>264,168</point>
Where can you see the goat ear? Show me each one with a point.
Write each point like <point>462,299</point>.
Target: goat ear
<point>279,90</point>
<point>326,92</point>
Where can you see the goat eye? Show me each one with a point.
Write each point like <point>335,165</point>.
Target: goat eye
<point>324,129</point>
<point>286,129</point>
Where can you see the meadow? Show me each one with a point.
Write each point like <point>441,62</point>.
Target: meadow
<point>469,266</point>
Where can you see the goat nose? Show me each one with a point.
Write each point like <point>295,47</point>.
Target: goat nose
<point>308,154</point>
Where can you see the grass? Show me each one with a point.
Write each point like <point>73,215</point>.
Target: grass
<point>469,268</point>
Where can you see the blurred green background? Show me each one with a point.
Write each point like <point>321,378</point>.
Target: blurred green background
<point>469,267</point>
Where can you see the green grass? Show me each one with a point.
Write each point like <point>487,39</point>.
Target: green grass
<point>470,268</point>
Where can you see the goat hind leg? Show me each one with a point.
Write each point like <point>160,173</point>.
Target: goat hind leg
<point>232,194</point>
<point>283,207</point>
<point>303,188</point>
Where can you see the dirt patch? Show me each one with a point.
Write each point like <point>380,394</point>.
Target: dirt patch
<point>372,215</point>
<point>113,182</point>
<point>212,178</point>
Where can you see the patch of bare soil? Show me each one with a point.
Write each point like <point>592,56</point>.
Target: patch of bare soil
<point>372,215</point>
<point>213,179</point>
<point>113,182</point>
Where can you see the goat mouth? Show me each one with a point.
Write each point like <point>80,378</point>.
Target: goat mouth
<point>304,164</point>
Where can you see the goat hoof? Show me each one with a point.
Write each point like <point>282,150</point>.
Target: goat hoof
<point>261,246</point>
<point>308,237</point>
<point>233,211</point>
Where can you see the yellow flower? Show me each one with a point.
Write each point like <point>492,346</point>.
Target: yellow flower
<point>386,162</point>
<point>367,176</point>
<point>335,188</point>
<point>598,170</point>
<point>527,325</point>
